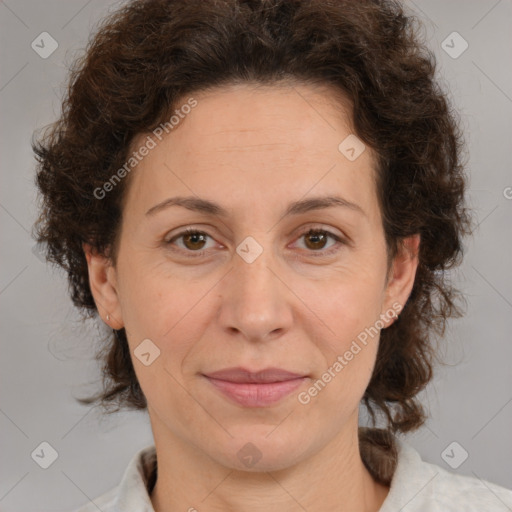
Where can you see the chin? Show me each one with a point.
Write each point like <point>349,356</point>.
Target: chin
<point>261,449</point>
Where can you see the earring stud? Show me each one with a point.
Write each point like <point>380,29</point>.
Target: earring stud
<point>108,318</point>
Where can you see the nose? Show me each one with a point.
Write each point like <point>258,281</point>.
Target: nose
<point>256,300</point>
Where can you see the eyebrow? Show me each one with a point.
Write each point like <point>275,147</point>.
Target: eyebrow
<point>296,208</point>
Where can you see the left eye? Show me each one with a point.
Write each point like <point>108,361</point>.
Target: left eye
<point>316,240</point>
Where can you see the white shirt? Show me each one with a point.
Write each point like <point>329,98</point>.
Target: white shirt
<point>416,486</point>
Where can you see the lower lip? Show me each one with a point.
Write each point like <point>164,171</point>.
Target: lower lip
<point>256,395</point>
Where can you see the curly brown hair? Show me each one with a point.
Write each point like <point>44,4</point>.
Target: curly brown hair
<point>149,54</point>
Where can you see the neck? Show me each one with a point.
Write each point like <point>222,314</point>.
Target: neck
<point>333,479</point>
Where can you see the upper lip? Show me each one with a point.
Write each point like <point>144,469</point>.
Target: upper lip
<point>241,375</point>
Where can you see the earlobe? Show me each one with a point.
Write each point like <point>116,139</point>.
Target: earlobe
<point>103,284</point>
<point>402,275</point>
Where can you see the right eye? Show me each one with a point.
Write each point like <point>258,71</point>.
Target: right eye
<point>193,242</point>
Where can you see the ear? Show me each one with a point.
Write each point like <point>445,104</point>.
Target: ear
<point>401,277</point>
<point>103,284</point>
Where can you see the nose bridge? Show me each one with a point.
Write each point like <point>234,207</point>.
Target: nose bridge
<point>255,299</point>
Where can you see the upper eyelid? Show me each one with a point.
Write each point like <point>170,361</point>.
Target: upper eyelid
<point>303,231</point>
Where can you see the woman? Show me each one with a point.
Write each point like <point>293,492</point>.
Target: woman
<point>259,198</point>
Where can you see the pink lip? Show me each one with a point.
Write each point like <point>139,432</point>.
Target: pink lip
<point>255,389</point>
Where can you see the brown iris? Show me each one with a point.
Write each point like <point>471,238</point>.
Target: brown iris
<point>318,239</point>
<point>194,238</point>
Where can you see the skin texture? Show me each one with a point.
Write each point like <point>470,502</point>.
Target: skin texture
<point>254,151</point>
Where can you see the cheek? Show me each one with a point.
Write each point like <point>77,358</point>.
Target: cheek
<point>354,311</point>
<point>173,314</point>
<point>348,302</point>
<point>348,332</point>
<point>153,301</point>
<point>348,353</point>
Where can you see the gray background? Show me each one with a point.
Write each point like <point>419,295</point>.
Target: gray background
<point>47,355</point>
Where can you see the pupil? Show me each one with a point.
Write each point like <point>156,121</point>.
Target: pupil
<point>317,236</point>
<point>193,236</point>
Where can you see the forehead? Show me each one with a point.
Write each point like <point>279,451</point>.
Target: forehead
<point>284,119</point>
<point>264,143</point>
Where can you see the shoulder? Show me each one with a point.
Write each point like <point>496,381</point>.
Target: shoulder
<point>453,491</point>
<point>105,502</point>
<point>418,485</point>
<point>131,494</point>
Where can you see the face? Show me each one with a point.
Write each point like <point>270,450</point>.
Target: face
<point>271,279</point>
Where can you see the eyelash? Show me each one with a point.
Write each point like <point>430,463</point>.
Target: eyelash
<point>306,231</point>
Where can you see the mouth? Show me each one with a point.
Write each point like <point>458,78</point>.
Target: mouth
<point>255,389</point>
